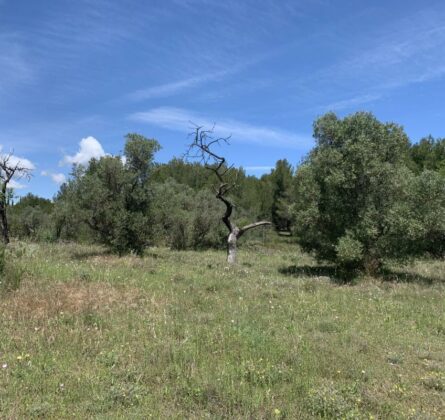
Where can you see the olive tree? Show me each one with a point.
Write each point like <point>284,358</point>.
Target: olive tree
<point>112,195</point>
<point>356,202</point>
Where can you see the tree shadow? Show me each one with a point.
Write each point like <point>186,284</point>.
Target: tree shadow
<point>338,277</point>
<point>315,271</point>
<point>394,276</point>
<point>85,255</point>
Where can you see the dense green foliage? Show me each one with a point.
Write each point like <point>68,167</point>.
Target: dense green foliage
<point>429,154</point>
<point>112,196</point>
<point>185,218</point>
<point>356,202</point>
<point>30,218</point>
<point>362,195</point>
<point>281,181</point>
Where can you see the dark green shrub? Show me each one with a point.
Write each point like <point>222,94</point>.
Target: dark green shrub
<point>356,202</point>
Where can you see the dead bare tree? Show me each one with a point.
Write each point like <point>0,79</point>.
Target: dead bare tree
<point>10,166</point>
<point>201,148</point>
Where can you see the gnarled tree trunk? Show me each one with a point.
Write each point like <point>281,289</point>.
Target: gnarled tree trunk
<point>235,234</point>
<point>217,164</point>
<point>231,247</point>
<point>8,168</point>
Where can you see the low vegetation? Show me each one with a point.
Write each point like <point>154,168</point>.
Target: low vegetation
<point>363,195</point>
<point>172,335</point>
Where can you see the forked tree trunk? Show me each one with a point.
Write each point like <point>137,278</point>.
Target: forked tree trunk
<point>202,145</point>
<point>235,234</point>
<point>231,246</point>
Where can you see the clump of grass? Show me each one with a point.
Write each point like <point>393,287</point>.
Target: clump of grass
<point>11,273</point>
<point>434,381</point>
<point>330,401</point>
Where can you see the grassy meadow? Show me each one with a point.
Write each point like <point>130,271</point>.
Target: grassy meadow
<point>180,335</point>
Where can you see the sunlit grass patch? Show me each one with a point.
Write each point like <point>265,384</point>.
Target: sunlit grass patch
<point>181,335</point>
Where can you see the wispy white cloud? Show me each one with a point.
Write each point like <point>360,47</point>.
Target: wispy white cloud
<point>178,86</point>
<point>182,120</point>
<point>58,178</point>
<point>409,51</point>
<point>89,148</point>
<point>258,168</point>
<point>169,89</point>
<point>350,102</point>
<point>14,65</point>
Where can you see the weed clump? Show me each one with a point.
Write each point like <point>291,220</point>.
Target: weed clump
<point>10,272</point>
<point>328,401</point>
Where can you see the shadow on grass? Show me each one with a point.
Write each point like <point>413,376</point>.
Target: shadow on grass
<point>407,277</point>
<point>315,271</point>
<point>85,255</point>
<point>340,278</point>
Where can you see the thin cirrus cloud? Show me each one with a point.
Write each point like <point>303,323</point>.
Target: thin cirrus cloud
<point>178,86</point>
<point>14,66</point>
<point>179,119</point>
<point>89,148</point>
<point>173,88</point>
<point>350,102</point>
<point>411,51</point>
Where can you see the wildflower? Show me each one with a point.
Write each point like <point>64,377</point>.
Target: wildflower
<point>19,357</point>
<point>4,366</point>
<point>277,412</point>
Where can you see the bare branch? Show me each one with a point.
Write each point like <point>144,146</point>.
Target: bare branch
<point>201,148</point>
<point>8,170</point>
<point>244,229</point>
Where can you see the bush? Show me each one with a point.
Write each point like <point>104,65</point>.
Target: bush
<point>112,196</point>
<point>356,202</point>
<point>187,219</point>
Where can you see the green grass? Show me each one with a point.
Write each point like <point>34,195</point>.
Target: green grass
<point>180,335</point>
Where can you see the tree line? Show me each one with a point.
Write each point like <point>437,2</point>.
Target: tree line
<point>364,194</point>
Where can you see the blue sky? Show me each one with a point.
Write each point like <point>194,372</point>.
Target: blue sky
<point>76,76</point>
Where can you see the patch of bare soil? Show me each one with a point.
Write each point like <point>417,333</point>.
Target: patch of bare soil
<point>73,297</point>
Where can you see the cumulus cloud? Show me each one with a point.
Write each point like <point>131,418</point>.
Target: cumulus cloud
<point>21,162</point>
<point>58,178</point>
<point>16,160</point>
<point>16,185</point>
<point>89,148</point>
